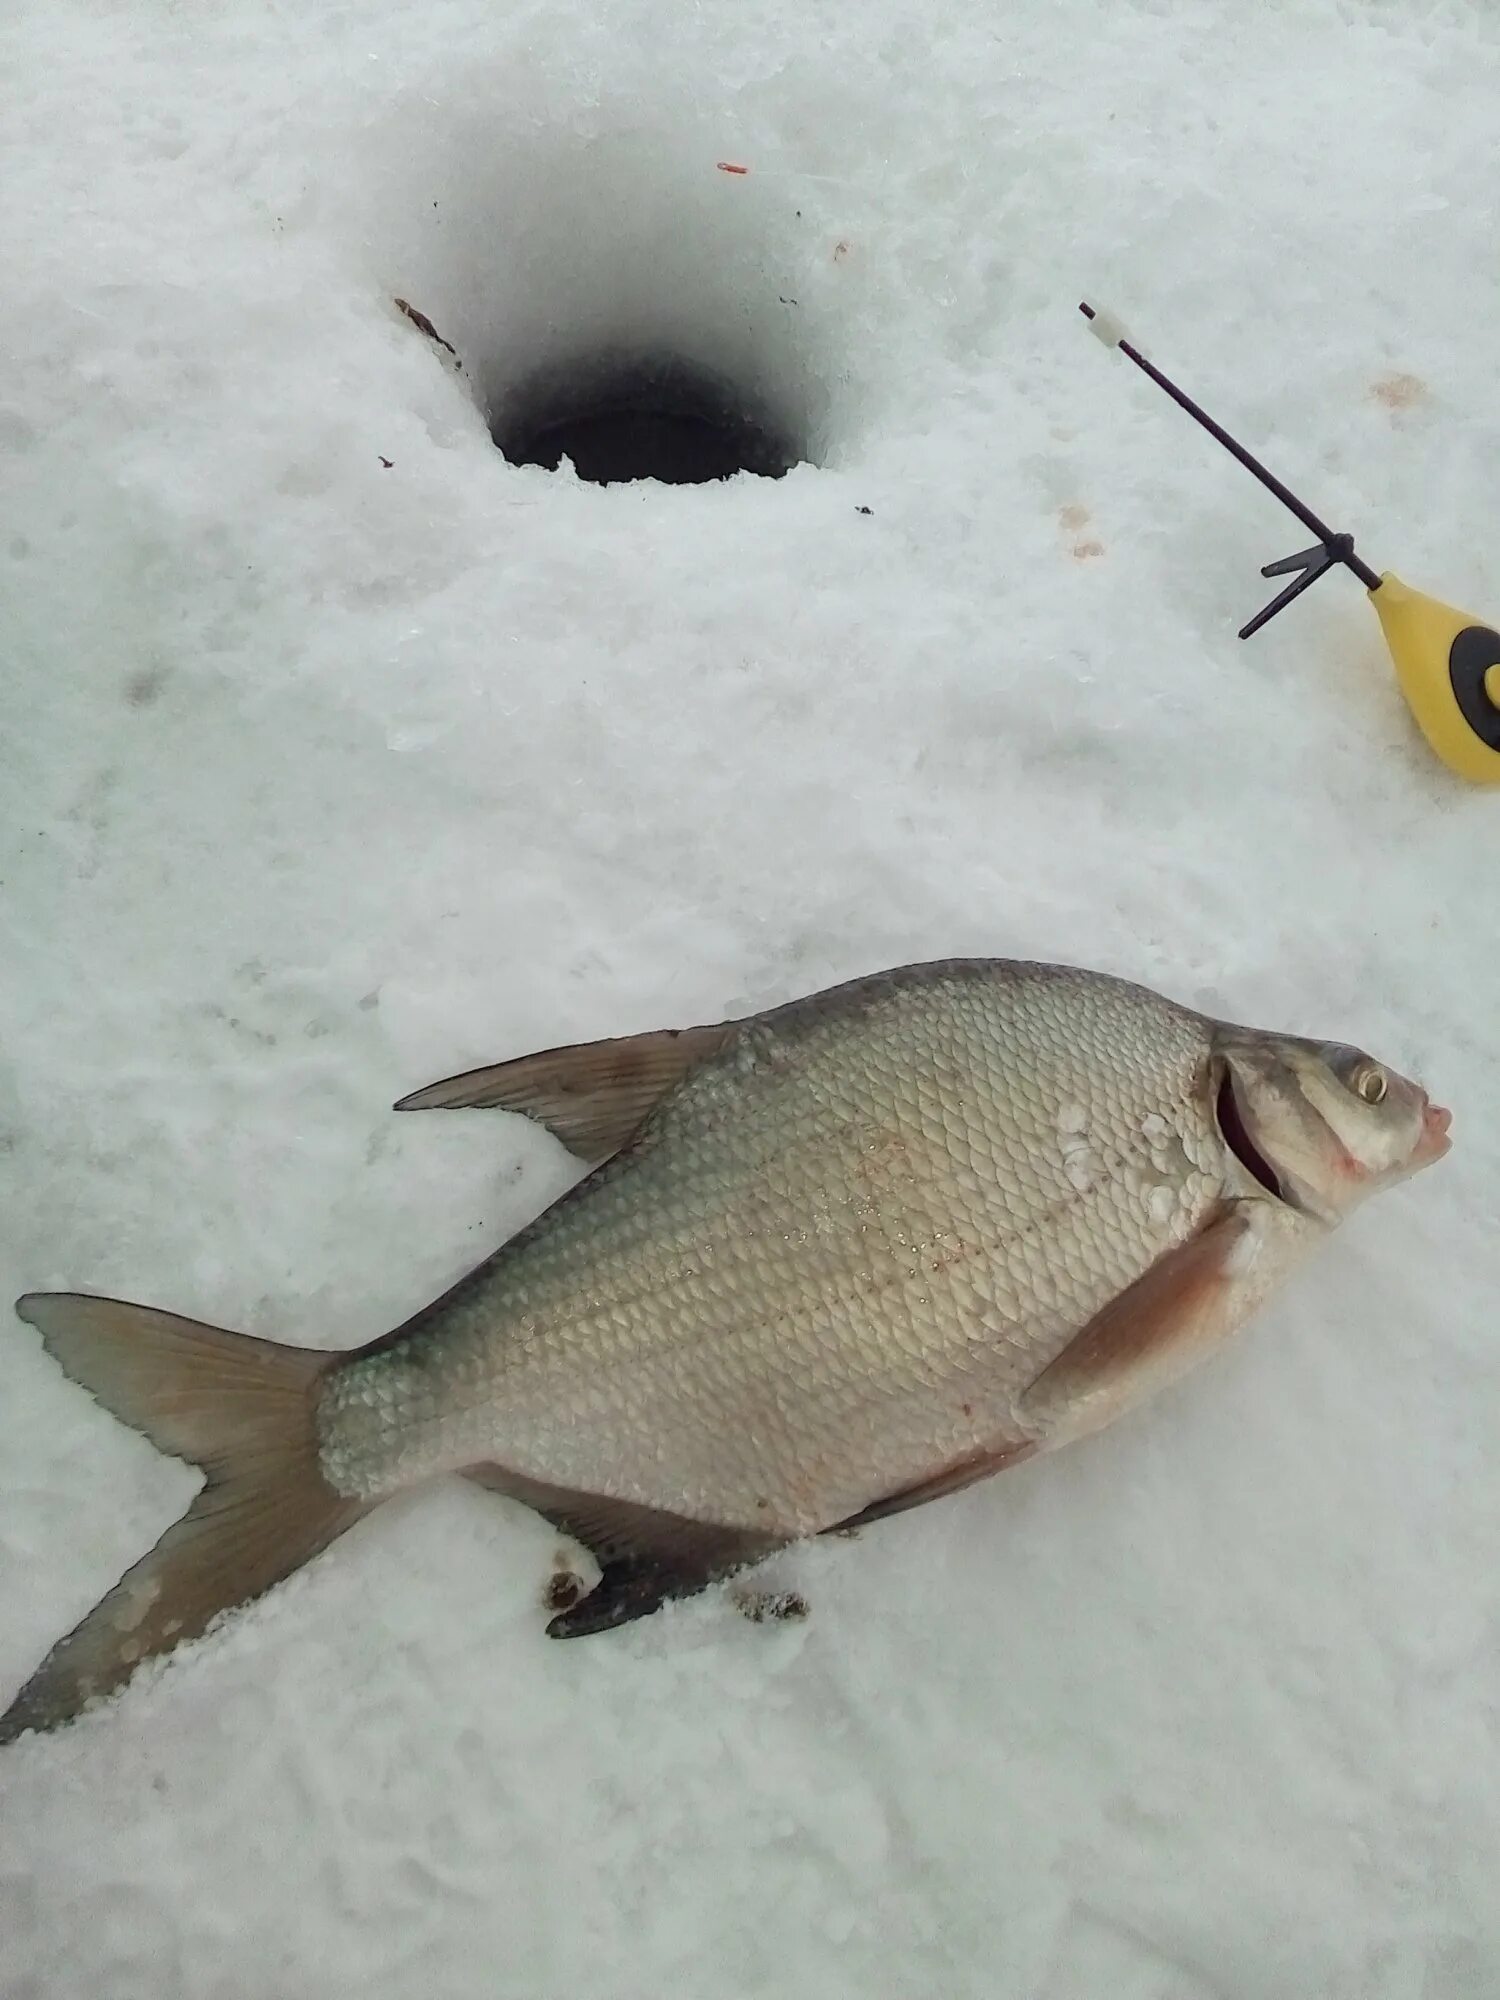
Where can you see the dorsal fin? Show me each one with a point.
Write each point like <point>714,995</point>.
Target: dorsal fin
<point>594,1096</point>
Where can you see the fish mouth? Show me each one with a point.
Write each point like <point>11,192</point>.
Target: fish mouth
<point>1236,1136</point>
<point>1434,1142</point>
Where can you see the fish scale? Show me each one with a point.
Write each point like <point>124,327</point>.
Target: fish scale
<point>760,1284</point>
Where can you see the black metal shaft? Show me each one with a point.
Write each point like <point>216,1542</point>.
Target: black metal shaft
<point>1268,479</point>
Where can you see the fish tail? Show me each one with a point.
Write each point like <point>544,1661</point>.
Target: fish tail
<point>242,1409</point>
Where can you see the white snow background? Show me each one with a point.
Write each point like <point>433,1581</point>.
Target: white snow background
<point>323,779</point>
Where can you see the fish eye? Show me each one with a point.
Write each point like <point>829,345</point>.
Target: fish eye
<point>1370,1083</point>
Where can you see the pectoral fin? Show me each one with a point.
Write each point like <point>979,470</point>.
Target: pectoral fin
<point>593,1096</point>
<point>1158,1328</point>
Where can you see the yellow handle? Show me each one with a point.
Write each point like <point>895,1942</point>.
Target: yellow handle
<point>1448,665</point>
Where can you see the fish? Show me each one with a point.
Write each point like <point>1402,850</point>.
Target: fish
<point>826,1263</point>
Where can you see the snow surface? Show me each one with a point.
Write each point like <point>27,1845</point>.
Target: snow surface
<point>325,778</point>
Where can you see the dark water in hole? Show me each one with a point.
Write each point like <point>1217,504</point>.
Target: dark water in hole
<point>642,419</point>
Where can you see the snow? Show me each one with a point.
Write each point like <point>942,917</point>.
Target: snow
<point>325,778</point>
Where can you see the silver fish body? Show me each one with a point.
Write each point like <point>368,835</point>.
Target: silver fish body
<point>833,1262</point>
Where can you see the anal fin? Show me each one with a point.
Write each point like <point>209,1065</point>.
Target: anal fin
<point>973,1466</point>
<point>646,1555</point>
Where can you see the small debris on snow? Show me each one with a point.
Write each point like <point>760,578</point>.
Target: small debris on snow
<point>425,325</point>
